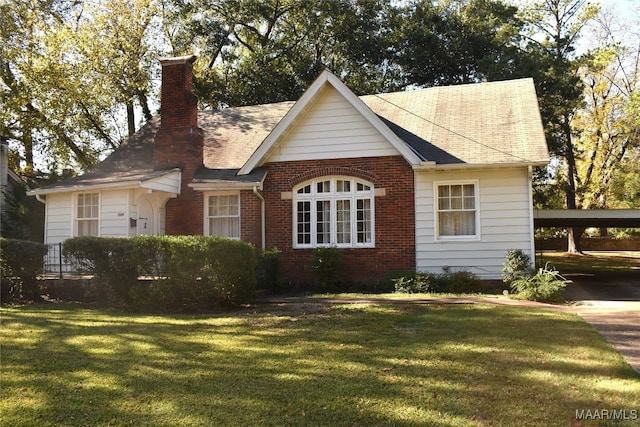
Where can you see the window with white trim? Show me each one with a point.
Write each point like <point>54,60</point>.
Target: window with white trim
<point>333,211</point>
<point>87,214</point>
<point>223,215</point>
<point>456,209</point>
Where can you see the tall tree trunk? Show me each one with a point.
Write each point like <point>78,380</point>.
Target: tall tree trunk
<point>574,242</point>
<point>573,236</point>
<point>131,121</point>
<point>27,142</point>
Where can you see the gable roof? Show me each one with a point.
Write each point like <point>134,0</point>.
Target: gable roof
<point>494,123</point>
<point>307,99</point>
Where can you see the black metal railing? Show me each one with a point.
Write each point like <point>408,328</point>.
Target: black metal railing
<point>56,263</point>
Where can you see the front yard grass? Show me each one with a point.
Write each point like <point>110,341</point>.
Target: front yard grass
<point>308,364</point>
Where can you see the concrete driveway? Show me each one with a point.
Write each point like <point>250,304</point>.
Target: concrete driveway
<point>611,304</point>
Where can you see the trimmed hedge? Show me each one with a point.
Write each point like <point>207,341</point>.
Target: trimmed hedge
<point>458,282</point>
<point>268,270</point>
<point>20,263</point>
<point>181,273</point>
<point>111,261</point>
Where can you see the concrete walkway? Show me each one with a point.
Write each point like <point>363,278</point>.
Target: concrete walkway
<point>611,304</point>
<point>618,322</point>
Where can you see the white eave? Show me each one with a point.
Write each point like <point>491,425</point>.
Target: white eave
<point>433,166</point>
<point>152,183</point>
<point>221,185</point>
<point>271,141</point>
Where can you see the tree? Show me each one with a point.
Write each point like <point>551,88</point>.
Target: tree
<point>37,84</point>
<point>554,29</point>
<point>456,41</point>
<point>607,127</point>
<point>260,52</point>
<point>118,46</point>
<point>65,66</point>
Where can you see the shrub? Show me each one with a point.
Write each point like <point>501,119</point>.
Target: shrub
<point>450,282</point>
<point>546,285</point>
<point>324,264</point>
<point>517,265</point>
<point>191,273</point>
<point>110,259</point>
<point>268,269</point>
<point>20,263</point>
<point>186,273</point>
<point>418,283</point>
<point>457,282</point>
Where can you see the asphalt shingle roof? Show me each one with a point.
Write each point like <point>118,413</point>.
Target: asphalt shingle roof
<point>484,123</point>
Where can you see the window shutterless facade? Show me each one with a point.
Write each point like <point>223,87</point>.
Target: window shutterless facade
<point>87,214</point>
<point>222,216</point>
<point>456,210</point>
<point>333,211</point>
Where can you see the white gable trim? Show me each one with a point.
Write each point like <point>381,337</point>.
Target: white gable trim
<point>326,77</point>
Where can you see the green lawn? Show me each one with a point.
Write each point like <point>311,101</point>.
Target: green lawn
<point>592,261</point>
<point>308,364</point>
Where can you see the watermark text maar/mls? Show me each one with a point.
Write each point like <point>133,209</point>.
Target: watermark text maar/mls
<point>607,414</point>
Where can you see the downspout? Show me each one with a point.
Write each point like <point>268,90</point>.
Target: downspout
<point>531,220</point>
<point>262,216</point>
<point>40,199</point>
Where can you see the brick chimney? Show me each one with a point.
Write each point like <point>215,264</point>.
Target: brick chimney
<point>179,144</point>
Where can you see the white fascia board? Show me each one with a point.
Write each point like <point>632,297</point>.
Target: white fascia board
<point>224,185</point>
<point>326,77</point>
<point>433,166</point>
<point>124,185</point>
<point>79,187</point>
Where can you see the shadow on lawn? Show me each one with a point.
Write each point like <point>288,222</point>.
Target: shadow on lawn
<point>306,364</point>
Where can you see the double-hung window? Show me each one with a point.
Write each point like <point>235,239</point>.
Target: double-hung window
<point>333,211</point>
<point>456,210</point>
<point>87,214</point>
<point>223,215</point>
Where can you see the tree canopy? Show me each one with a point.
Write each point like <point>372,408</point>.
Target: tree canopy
<point>76,78</point>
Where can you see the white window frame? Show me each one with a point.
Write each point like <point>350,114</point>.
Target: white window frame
<point>208,218</point>
<point>333,199</point>
<point>77,218</point>
<point>436,210</point>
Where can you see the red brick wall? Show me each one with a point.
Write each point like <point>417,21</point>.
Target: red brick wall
<point>179,144</point>
<point>394,216</point>
<point>250,218</point>
<point>185,214</point>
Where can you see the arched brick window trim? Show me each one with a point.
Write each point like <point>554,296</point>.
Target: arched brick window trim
<point>332,170</point>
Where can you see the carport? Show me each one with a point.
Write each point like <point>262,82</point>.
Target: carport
<point>584,218</point>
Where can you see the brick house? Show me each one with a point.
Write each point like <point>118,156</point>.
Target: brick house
<point>425,180</point>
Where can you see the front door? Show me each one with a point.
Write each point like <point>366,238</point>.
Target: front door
<point>145,218</point>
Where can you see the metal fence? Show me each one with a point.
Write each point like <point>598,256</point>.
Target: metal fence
<point>56,263</point>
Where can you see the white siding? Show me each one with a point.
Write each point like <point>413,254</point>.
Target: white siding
<point>114,213</point>
<point>332,128</point>
<point>58,218</point>
<point>504,222</point>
